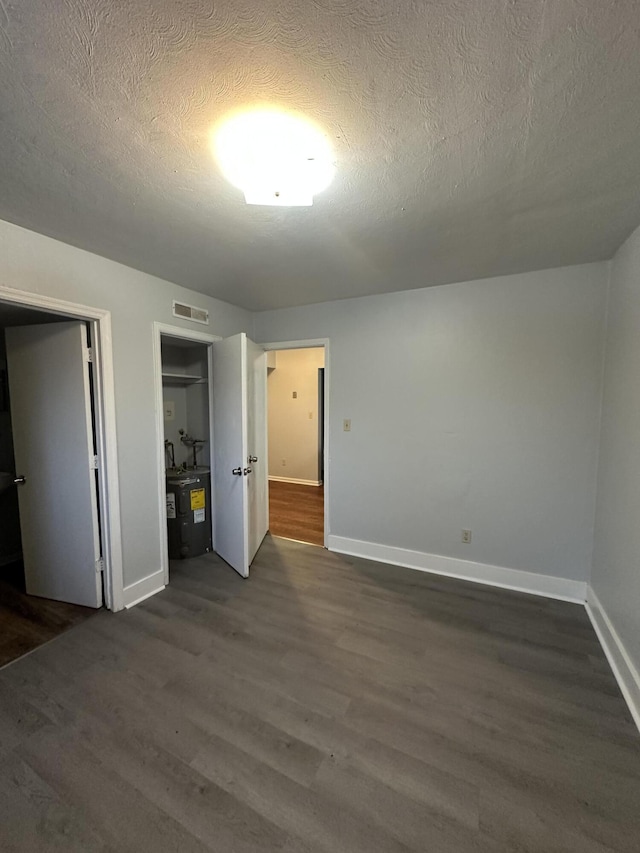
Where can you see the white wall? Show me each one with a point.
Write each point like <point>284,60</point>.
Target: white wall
<point>10,544</point>
<point>31,262</point>
<point>474,406</point>
<point>293,423</point>
<point>616,565</point>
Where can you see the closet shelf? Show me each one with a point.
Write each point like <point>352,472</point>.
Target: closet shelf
<point>182,379</point>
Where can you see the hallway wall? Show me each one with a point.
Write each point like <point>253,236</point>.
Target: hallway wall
<point>294,436</point>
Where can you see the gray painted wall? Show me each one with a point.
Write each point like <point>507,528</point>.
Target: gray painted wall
<point>616,564</point>
<point>31,262</point>
<point>473,405</point>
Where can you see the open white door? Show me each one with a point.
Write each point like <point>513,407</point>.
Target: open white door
<point>239,433</point>
<point>230,452</point>
<point>257,481</point>
<point>53,442</point>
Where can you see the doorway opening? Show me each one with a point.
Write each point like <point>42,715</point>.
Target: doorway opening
<point>71,568</point>
<point>51,563</point>
<point>296,434</point>
<point>211,445</point>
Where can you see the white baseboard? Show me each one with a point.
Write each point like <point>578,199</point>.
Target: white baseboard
<point>623,668</point>
<point>536,584</point>
<point>295,480</point>
<point>145,588</point>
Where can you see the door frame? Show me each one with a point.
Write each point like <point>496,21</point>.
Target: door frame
<point>309,343</point>
<point>105,426</point>
<point>166,330</point>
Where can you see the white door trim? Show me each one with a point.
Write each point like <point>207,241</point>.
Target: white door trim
<point>308,344</point>
<point>161,330</point>
<point>105,413</point>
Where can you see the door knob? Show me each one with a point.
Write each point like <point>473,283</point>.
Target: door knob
<point>237,472</point>
<point>252,459</point>
<point>19,480</point>
<point>247,471</point>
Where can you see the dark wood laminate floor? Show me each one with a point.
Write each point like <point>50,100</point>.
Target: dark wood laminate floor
<point>296,512</point>
<point>326,704</point>
<point>26,621</point>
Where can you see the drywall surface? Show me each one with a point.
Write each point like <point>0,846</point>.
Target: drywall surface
<point>35,263</point>
<point>473,406</point>
<point>616,564</point>
<point>177,398</point>
<point>293,421</point>
<point>472,138</point>
<point>190,402</point>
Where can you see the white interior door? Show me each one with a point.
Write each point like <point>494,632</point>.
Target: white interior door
<point>257,481</point>
<point>230,452</point>
<point>53,441</point>
<point>239,434</point>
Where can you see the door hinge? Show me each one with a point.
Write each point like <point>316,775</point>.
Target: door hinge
<point>99,566</point>
<point>89,352</point>
<point>94,462</point>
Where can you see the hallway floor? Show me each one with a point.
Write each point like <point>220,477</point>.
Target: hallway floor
<point>296,512</point>
<point>26,621</point>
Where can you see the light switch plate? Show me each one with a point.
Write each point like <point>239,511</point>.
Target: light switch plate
<point>169,410</point>
<point>346,424</point>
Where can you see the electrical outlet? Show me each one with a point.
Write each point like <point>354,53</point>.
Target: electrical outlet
<point>346,424</point>
<point>284,463</point>
<point>466,536</point>
<point>294,395</point>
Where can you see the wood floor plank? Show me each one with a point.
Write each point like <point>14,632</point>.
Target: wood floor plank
<point>296,511</point>
<point>322,819</point>
<point>325,704</point>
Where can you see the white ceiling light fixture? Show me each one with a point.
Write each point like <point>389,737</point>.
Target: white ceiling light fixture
<point>274,157</point>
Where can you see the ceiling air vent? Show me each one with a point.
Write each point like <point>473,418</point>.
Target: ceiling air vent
<point>190,312</point>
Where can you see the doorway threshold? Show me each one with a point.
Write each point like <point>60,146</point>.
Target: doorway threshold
<point>299,541</point>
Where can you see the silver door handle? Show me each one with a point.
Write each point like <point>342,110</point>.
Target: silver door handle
<point>247,471</point>
<point>19,480</point>
<point>252,459</point>
<point>237,472</point>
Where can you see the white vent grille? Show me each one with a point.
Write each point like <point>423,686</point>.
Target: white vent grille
<point>190,312</point>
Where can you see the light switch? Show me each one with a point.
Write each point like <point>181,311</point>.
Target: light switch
<point>346,424</point>
<point>295,395</point>
<point>169,410</point>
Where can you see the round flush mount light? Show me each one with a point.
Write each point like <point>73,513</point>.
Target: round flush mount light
<point>274,157</point>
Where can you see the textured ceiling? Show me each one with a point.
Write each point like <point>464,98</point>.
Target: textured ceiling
<point>473,137</point>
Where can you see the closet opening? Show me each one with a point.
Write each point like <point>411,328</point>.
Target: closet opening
<point>187,447</point>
